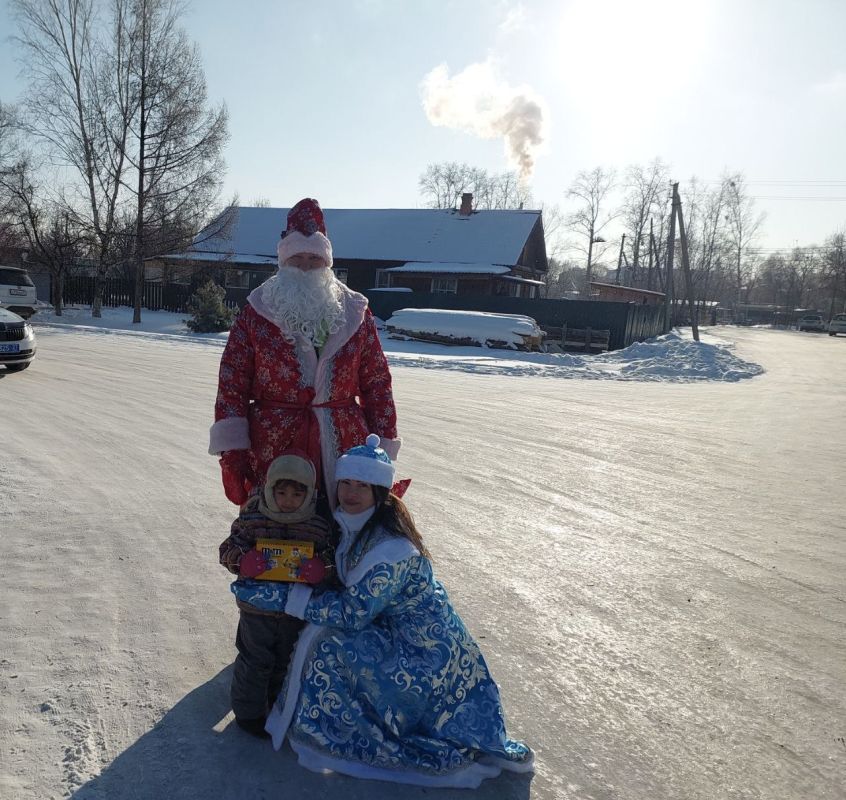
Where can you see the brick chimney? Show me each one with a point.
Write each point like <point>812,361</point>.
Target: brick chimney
<point>466,205</point>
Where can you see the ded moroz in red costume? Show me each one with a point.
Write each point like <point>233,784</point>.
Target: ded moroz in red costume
<point>283,389</point>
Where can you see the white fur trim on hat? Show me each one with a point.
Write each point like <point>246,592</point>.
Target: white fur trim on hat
<point>368,463</point>
<point>296,242</point>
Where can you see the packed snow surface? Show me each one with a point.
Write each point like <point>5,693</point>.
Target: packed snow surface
<point>652,568</point>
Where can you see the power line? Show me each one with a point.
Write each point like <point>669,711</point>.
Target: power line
<point>782,181</point>
<point>796,197</point>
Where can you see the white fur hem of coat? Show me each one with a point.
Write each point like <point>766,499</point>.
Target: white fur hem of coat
<point>230,433</point>
<point>469,777</point>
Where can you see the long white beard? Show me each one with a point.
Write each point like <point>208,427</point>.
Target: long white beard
<point>306,302</point>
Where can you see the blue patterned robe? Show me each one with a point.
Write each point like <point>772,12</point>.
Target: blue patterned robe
<point>386,682</point>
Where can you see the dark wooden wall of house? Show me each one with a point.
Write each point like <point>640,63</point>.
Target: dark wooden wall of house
<point>361,274</point>
<point>534,253</point>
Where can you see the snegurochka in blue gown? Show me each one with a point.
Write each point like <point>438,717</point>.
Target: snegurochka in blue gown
<point>386,682</point>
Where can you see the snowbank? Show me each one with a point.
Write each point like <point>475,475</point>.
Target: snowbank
<point>480,326</point>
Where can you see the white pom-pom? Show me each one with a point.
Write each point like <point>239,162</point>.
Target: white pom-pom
<point>372,440</point>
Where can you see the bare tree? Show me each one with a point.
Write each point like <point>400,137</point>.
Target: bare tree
<point>121,100</point>
<point>802,264</point>
<point>7,132</point>
<point>176,141</point>
<point>10,237</point>
<point>79,106</point>
<point>707,238</point>
<point>835,269</point>
<point>744,222</point>
<point>51,233</point>
<point>590,190</point>
<point>646,195</point>
<point>443,184</point>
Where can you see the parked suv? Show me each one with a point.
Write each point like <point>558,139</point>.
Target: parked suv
<point>811,322</point>
<point>17,291</point>
<point>17,341</point>
<point>837,325</point>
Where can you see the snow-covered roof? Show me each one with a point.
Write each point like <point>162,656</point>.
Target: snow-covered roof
<point>436,266</point>
<point>211,256</point>
<point>388,234</point>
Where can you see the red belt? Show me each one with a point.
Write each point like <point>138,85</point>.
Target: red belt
<point>264,403</point>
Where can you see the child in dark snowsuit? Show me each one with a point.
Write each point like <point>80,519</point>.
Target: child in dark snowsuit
<point>284,509</point>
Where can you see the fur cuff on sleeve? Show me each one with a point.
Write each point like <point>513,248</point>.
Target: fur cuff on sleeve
<point>231,433</point>
<point>298,598</point>
<point>391,447</point>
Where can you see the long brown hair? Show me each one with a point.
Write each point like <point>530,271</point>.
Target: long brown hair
<point>394,515</point>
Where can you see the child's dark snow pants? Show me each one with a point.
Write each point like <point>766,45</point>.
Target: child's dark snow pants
<point>264,645</point>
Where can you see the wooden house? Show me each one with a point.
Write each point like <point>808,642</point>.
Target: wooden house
<point>450,251</point>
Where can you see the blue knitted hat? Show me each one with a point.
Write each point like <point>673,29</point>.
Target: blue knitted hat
<point>366,462</point>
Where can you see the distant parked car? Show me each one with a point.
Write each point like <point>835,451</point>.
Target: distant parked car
<point>811,322</point>
<point>17,291</point>
<point>17,341</point>
<point>837,325</point>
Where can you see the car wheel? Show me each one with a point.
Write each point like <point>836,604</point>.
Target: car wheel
<point>832,334</point>
<point>17,367</point>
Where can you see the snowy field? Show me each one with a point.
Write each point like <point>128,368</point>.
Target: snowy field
<point>654,566</point>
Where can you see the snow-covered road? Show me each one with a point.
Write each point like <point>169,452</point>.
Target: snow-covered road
<point>654,570</point>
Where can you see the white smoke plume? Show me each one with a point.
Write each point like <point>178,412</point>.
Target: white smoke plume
<point>477,101</point>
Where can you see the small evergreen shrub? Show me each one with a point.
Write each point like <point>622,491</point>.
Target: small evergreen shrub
<point>208,312</point>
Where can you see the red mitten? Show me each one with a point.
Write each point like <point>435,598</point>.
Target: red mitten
<point>235,472</point>
<point>401,487</point>
<point>252,564</point>
<point>312,570</point>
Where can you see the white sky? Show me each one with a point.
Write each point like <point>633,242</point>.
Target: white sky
<point>325,97</point>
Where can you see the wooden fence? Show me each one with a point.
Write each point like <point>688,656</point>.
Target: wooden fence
<point>626,322</point>
<point>157,296</point>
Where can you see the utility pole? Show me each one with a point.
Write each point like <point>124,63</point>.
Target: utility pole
<point>620,260</point>
<point>591,241</point>
<point>668,282</point>
<point>649,268</point>
<point>688,279</point>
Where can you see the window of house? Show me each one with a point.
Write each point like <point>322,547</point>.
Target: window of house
<point>445,285</point>
<point>237,279</point>
<point>383,279</point>
<point>341,274</point>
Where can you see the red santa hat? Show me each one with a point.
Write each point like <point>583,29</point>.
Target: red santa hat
<point>306,233</point>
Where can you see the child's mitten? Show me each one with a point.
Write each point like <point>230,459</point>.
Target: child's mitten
<point>252,564</point>
<point>312,570</point>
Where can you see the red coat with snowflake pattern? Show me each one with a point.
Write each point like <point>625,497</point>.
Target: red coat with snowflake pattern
<point>275,396</point>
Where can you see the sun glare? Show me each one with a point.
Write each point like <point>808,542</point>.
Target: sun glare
<point>610,50</point>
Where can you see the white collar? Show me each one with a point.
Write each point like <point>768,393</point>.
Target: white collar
<point>354,522</point>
